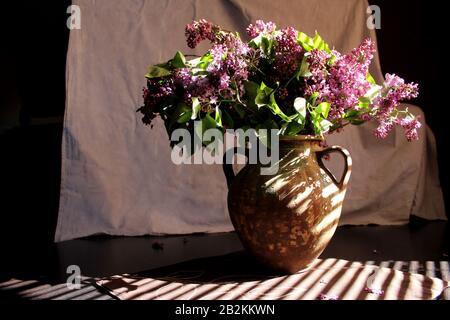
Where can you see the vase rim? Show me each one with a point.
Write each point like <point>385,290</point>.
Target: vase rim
<point>302,138</point>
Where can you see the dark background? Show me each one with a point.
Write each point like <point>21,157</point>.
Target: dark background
<point>32,99</point>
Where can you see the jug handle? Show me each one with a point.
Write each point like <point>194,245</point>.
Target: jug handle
<point>228,167</point>
<point>342,184</point>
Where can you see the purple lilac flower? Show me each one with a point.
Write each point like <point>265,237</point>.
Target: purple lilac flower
<point>317,82</point>
<point>259,27</point>
<point>198,31</point>
<point>235,44</point>
<point>154,95</point>
<point>229,65</point>
<point>157,91</point>
<point>394,91</point>
<point>288,53</point>
<point>410,125</point>
<point>347,79</point>
<point>383,129</point>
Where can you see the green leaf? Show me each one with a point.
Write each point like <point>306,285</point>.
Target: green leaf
<point>351,114</point>
<point>263,95</point>
<point>292,129</point>
<point>194,62</point>
<point>205,60</point>
<point>372,92</point>
<point>157,72</point>
<point>304,68</point>
<point>185,117</point>
<point>206,123</point>
<point>321,126</point>
<point>263,43</point>
<point>266,98</point>
<point>199,72</point>
<point>309,44</point>
<point>319,44</point>
<point>300,106</point>
<point>323,109</point>
<point>218,117</point>
<point>239,109</point>
<point>227,119</point>
<point>276,109</point>
<point>256,42</point>
<point>363,105</point>
<point>251,91</point>
<point>325,125</point>
<point>370,78</point>
<point>313,98</point>
<point>182,113</point>
<point>357,122</point>
<point>318,118</point>
<point>266,45</point>
<point>179,61</point>
<point>332,60</point>
<point>196,106</point>
<point>306,42</point>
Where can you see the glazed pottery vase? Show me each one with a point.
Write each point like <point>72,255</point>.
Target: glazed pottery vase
<point>287,219</point>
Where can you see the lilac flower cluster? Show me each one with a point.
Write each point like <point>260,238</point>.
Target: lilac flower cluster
<point>393,92</point>
<point>344,82</point>
<point>318,68</point>
<point>198,31</point>
<point>229,65</point>
<point>257,83</point>
<point>347,80</point>
<point>193,86</point>
<point>254,30</point>
<point>288,53</point>
<point>226,71</point>
<point>155,94</point>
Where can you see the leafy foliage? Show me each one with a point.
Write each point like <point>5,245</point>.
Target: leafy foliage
<point>280,79</point>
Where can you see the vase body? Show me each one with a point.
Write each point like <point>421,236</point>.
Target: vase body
<point>287,219</point>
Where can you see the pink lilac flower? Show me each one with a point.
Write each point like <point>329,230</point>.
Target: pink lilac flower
<point>233,42</point>
<point>154,95</point>
<point>224,82</point>
<point>394,91</point>
<point>383,129</point>
<point>198,31</point>
<point>259,27</point>
<point>347,79</point>
<point>317,82</point>
<point>288,53</point>
<point>410,125</point>
<point>190,85</point>
<point>229,65</point>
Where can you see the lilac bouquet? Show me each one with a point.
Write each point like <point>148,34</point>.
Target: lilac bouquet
<point>280,79</point>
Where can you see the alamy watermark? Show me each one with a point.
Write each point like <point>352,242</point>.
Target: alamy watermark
<point>374,20</point>
<point>260,146</point>
<point>74,21</point>
<point>74,279</point>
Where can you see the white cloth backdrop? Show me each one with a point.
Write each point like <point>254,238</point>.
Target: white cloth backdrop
<point>117,176</point>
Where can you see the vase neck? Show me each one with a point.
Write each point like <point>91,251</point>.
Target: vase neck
<point>299,147</point>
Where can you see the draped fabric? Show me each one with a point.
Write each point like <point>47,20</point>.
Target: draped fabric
<point>117,174</point>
